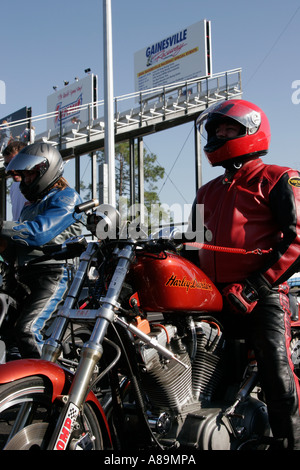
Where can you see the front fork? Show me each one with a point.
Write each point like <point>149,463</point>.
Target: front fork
<point>53,346</point>
<point>92,350</point>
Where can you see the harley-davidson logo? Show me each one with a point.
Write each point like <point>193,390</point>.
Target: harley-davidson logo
<point>173,281</point>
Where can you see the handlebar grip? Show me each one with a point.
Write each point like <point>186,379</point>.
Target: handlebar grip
<point>184,237</point>
<point>50,249</point>
<point>85,206</point>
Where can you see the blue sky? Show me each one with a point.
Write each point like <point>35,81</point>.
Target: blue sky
<point>46,42</point>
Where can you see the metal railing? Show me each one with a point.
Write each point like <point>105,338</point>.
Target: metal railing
<point>137,110</point>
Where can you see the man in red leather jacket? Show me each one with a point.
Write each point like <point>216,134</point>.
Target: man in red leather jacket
<point>254,206</point>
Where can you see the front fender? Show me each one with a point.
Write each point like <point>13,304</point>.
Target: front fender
<point>22,368</point>
<point>60,379</point>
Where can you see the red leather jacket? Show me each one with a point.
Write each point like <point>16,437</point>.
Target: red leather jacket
<point>258,208</point>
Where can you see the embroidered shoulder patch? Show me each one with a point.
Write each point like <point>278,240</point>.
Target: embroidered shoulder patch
<point>294,182</point>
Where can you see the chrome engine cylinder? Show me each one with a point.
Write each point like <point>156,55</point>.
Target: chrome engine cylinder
<point>207,367</point>
<point>171,387</point>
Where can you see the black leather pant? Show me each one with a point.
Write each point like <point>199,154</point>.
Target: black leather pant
<point>47,285</point>
<point>268,332</point>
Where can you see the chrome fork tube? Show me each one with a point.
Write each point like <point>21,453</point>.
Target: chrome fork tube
<point>92,350</point>
<point>52,347</point>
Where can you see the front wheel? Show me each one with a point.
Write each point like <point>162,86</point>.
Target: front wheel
<point>27,416</point>
<point>295,353</point>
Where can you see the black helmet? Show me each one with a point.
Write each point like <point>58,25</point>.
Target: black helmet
<point>40,157</point>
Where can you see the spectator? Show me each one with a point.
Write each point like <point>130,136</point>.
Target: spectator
<point>5,135</point>
<point>16,197</point>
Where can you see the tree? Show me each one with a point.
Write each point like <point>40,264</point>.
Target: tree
<point>153,172</point>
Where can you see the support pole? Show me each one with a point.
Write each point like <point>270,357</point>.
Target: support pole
<point>141,178</point>
<point>132,172</point>
<point>198,159</point>
<point>109,144</point>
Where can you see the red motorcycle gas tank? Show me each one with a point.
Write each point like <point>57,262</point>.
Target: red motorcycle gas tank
<point>169,282</point>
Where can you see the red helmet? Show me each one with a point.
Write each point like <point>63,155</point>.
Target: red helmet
<point>254,136</point>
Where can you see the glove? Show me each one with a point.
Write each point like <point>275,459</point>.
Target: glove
<point>240,297</point>
<point>91,223</point>
<point>243,297</point>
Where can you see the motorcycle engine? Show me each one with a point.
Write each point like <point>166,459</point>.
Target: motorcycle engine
<point>168,384</point>
<point>181,399</point>
<point>172,387</point>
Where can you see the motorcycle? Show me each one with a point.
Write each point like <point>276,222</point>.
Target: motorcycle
<point>294,296</point>
<point>11,293</point>
<point>157,371</point>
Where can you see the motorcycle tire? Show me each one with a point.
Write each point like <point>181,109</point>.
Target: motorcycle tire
<point>72,344</point>
<point>27,404</point>
<point>295,353</point>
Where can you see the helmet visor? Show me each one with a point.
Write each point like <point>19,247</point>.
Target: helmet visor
<point>25,162</point>
<point>238,112</point>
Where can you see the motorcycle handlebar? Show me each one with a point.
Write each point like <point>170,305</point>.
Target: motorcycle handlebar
<point>70,249</point>
<point>158,244</point>
<point>184,237</point>
<point>74,247</point>
<point>85,206</point>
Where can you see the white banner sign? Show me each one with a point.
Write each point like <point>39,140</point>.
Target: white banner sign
<point>181,56</point>
<point>68,102</point>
